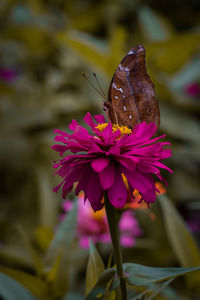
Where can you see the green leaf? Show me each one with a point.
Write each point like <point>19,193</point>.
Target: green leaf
<point>111,296</point>
<point>52,274</point>
<point>34,284</point>
<point>153,290</point>
<point>33,37</point>
<point>109,264</point>
<point>43,236</point>
<point>73,296</point>
<point>116,47</point>
<point>140,275</point>
<point>100,287</point>
<point>188,73</point>
<point>15,257</point>
<point>64,235</point>
<point>164,291</point>
<point>37,261</point>
<point>48,206</point>
<point>156,289</point>
<point>154,27</point>
<point>91,49</point>
<point>58,277</point>
<point>170,293</point>
<point>58,254</point>
<point>177,117</point>
<point>10,289</point>
<point>95,51</point>
<point>164,54</point>
<point>180,238</point>
<point>95,268</point>
<point>87,19</point>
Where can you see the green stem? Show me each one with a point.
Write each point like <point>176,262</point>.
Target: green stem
<point>114,232</point>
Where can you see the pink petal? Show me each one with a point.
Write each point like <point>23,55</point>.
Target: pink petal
<point>59,148</point>
<point>59,138</point>
<point>88,120</point>
<point>81,186</point>
<point>117,194</point>
<point>84,242</point>
<point>108,135</point>
<point>94,192</point>
<point>67,205</point>
<point>127,241</point>
<point>149,150</point>
<point>128,161</point>
<point>95,149</point>
<point>107,132</point>
<point>107,176</point>
<point>145,131</point>
<point>139,181</point>
<point>73,125</point>
<point>155,139</point>
<point>75,147</point>
<point>165,153</point>
<point>161,165</point>
<point>105,238</point>
<point>150,196</point>
<point>127,221</point>
<point>142,168</point>
<point>61,132</point>
<point>90,184</point>
<point>82,134</point>
<point>115,150</point>
<point>99,164</point>
<point>99,118</point>
<point>73,176</point>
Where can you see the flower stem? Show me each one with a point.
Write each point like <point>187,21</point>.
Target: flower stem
<point>114,232</point>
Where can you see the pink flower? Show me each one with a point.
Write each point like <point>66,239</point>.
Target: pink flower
<point>93,225</point>
<point>106,153</point>
<point>7,75</point>
<point>193,90</point>
<point>129,229</point>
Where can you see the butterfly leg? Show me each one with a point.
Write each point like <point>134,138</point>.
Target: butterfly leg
<point>110,112</point>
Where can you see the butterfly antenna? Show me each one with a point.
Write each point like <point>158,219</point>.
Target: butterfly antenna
<point>98,83</point>
<point>92,85</point>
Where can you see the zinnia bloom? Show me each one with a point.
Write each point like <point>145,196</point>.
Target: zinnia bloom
<point>94,225</point>
<point>106,153</point>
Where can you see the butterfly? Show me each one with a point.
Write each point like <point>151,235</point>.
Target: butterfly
<point>131,96</point>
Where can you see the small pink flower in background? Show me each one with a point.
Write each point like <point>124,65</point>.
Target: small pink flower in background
<point>7,75</point>
<point>192,217</point>
<point>107,154</point>
<point>93,225</point>
<point>129,229</point>
<point>193,90</point>
<point>194,224</point>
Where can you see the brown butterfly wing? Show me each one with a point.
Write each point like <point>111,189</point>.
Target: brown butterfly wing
<point>131,97</point>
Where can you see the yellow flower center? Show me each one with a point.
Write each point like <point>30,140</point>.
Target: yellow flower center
<point>98,215</point>
<point>123,129</point>
<point>101,127</point>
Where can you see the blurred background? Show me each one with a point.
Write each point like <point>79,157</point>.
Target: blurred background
<point>45,46</point>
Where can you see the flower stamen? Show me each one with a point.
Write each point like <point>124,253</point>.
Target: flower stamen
<point>123,129</point>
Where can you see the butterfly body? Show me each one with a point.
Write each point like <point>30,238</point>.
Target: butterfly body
<point>131,96</point>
